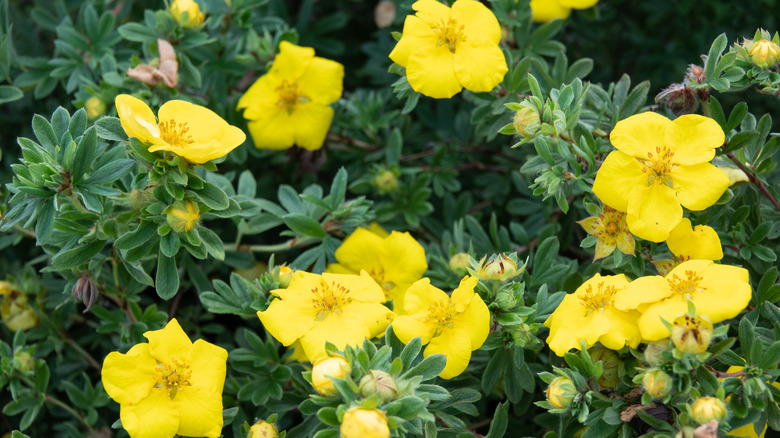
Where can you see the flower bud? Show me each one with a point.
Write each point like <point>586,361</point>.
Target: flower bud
<point>15,309</point>
<point>262,429</point>
<point>610,362</point>
<point>764,53</point>
<point>193,17</point>
<point>385,181</point>
<point>285,276</point>
<point>459,262</point>
<point>654,352</point>
<point>139,199</point>
<point>526,119</point>
<point>24,361</point>
<point>336,367</point>
<point>522,334</point>
<point>561,392</point>
<point>183,216</point>
<point>364,423</point>
<point>506,300</point>
<point>498,268</point>
<point>705,409</point>
<point>378,382</point>
<point>94,107</point>
<point>691,334</point>
<point>657,383</point>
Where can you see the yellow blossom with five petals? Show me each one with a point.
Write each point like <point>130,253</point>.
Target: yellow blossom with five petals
<point>453,326</point>
<point>394,261</point>
<point>661,166</point>
<point>190,131</point>
<point>590,315</point>
<point>719,292</point>
<point>698,243</point>
<point>611,230</point>
<point>447,49</point>
<point>168,386</point>
<point>290,104</point>
<point>547,10</point>
<point>337,308</point>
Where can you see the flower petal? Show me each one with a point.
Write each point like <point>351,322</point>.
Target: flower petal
<point>420,296</point>
<point>311,122</point>
<point>478,22</point>
<point>547,10</point>
<point>650,322</point>
<point>577,4</point>
<point>479,65</point>
<point>200,411</point>
<point>603,248</point>
<point>643,290</point>
<point>208,365</point>
<point>463,295</point>
<point>454,344</point>
<point>474,320</point>
<point>622,331</point>
<point>339,329</point>
<point>406,328</point>
<point>726,292</point>
<point>288,320</point>
<point>640,134</point>
<point>402,258</point>
<point>259,98</point>
<point>272,129</point>
<point>362,288</point>
<point>169,342</point>
<point>693,138</point>
<point>653,212</point>
<point>291,62</point>
<point>430,71</point>
<point>626,243</point>
<point>128,378</point>
<point>323,81</point>
<point>416,34</point>
<point>619,175</point>
<point>432,12</point>
<point>701,242</point>
<point>137,118</point>
<point>153,417</point>
<point>361,250</point>
<point>374,316</point>
<point>699,186</point>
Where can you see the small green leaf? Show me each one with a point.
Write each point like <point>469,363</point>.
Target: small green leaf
<point>9,93</point>
<point>304,225</point>
<point>167,279</point>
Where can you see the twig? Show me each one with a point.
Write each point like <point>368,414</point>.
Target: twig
<point>754,180</point>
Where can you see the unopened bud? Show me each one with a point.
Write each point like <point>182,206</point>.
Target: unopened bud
<point>285,276</point>
<point>763,53</point>
<point>15,309</point>
<point>691,334</point>
<point>706,409</point>
<point>364,423</point>
<point>186,13</point>
<point>657,383</point>
<point>526,122</point>
<point>183,216</point>
<point>336,367</point>
<point>610,363</point>
<point>385,181</point>
<point>24,361</point>
<point>94,107</point>
<point>499,268</point>
<point>380,383</point>
<point>263,429</point>
<point>139,199</point>
<point>655,350</point>
<point>522,335</point>
<point>459,262</point>
<point>561,392</point>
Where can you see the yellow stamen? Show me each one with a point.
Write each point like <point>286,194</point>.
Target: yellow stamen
<point>599,300</point>
<point>686,286</point>
<point>659,167</point>
<point>378,274</point>
<point>172,376</point>
<point>449,34</point>
<point>440,314</point>
<point>289,95</point>
<point>175,134</point>
<point>329,298</point>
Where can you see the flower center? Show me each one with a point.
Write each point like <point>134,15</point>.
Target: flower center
<point>175,134</point>
<point>659,166</point>
<point>602,298</point>
<point>329,298</point>
<point>172,376</point>
<point>685,286</point>
<point>378,274</point>
<point>440,314</point>
<point>448,34</point>
<point>289,96</point>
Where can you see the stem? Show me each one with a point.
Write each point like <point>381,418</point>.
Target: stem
<point>284,246</point>
<point>754,180</point>
<point>90,360</point>
<point>68,409</point>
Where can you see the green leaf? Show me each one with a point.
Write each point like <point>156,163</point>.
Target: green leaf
<point>713,56</point>
<point>72,258</point>
<point>213,196</point>
<point>500,421</point>
<point>170,244</point>
<point>85,154</point>
<point>304,225</point>
<point>9,93</point>
<point>137,32</point>
<point>111,171</point>
<point>45,223</point>
<point>429,367</point>
<point>110,128</point>
<point>338,188</point>
<point>137,237</point>
<point>167,279</point>
<point>44,132</point>
<point>212,242</point>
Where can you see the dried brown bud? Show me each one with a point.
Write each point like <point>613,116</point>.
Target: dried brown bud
<point>679,99</point>
<point>86,291</point>
<point>167,71</point>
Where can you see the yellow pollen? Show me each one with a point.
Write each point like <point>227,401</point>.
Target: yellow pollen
<point>289,95</point>
<point>448,34</point>
<point>175,134</point>
<point>686,286</point>
<point>658,167</point>
<point>329,298</point>
<point>440,314</point>
<point>172,376</point>
<point>599,300</point>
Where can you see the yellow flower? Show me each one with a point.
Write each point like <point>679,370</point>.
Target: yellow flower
<point>336,308</point>
<point>394,261</point>
<point>764,53</point>
<point>364,423</point>
<point>190,131</point>
<point>193,17</point>
<point>590,314</point>
<point>546,10</point>
<point>705,409</point>
<point>263,429</point>
<point>718,292</point>
<point>686,243</point>
<point>611,230</point>
<point>452,326</point>
<point>691,334</point>
<point>15,310</point>
<point>289,104</point>
<point>183,216</point>
<point>447,49</point>
<point>660,165</point>
<point>326,367</point>
<point>168,386</point>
